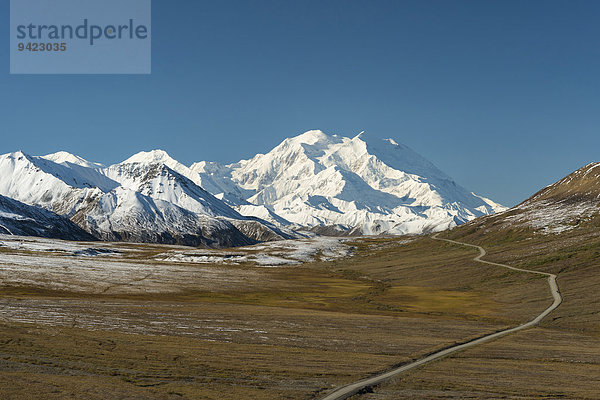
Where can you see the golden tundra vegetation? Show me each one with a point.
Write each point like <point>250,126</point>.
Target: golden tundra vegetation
<point>296,332</point>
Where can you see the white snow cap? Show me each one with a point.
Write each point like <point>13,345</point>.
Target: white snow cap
<point>149,157</point>
<point>62,157</point>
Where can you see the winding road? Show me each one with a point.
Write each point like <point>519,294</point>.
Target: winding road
<point>351,389</point>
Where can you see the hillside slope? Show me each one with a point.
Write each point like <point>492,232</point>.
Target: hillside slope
<point>20,219</point>
<point>557,230</point>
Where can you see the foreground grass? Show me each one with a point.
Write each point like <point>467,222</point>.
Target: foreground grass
<point>286,333</point>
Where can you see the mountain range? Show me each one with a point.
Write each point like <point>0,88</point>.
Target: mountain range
<point>312,182</point>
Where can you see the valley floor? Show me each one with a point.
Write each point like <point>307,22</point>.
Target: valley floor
<point>120,321</point>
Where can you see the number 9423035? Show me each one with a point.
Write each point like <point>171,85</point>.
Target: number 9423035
<point>42,46</point>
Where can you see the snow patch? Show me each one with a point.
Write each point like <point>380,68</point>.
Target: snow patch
<point>289,252</point>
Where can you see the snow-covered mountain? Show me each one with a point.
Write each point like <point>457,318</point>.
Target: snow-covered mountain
<point>142,201</point>
<point>126,215</point>
<point>357,185</point>
<point>63,157</point>
<point>61,188</point>
<point>20,219</point>
<point>158,181</point>
<point>327,183</point>
<point>156,175</point>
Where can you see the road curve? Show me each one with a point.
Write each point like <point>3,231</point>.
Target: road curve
<point>353,388</point>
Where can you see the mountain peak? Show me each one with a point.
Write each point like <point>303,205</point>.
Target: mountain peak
<point>62,157</point>
<point>311,137</point>
<point>17,154</point>
<point>365,183</point>
<point>581,185</point>
<point>371,140</point>
<point>149,157</point>
<point>359,136</point>
<point>376,142</point>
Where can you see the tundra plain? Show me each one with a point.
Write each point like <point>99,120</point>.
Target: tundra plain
<point>164,322</point>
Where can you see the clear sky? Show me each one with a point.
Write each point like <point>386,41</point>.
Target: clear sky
<point>504,96</point>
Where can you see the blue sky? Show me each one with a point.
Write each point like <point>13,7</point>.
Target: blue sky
<point>504,96</point>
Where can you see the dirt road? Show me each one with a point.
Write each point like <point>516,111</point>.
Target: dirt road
<point>349,390</point>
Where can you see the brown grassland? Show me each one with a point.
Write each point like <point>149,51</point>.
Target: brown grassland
<point>558,359</point>
<point>296,332</point>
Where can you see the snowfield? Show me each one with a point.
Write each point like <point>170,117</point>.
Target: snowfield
<point>289,252</point>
